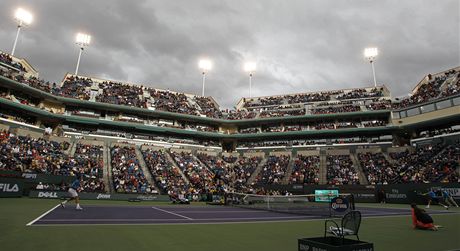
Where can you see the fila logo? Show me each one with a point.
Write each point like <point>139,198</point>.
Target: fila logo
<point>6,187</point>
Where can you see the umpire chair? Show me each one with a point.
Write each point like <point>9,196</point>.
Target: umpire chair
<point>349,226</point>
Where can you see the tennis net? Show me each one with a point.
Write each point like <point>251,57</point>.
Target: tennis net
<point>308,204</point>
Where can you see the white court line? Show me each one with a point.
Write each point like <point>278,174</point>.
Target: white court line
<point>43,215</point>
<point>218,212</point>
<point>213,223</point>
<point>204,219</point>
<point>166,211</point>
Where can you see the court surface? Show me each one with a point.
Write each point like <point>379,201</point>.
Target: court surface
<point>182,214</point>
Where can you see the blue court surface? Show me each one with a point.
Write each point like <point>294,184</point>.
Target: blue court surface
<point>183,214</point>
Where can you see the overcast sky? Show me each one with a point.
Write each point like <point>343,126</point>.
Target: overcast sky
<point>299,46</point>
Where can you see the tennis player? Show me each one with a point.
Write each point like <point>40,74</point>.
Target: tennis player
<point>448,199</point>
<point>432,197</point>
<point>73,192</point>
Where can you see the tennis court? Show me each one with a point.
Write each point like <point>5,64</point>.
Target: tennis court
<point>386,225</point>
<point>183,214</point>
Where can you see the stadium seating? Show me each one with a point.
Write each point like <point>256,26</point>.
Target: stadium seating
<point>305,170</point>
<point>128,176</point>
<point>75,87</point>
<point>441,85</point>
<point>166,175</point>
<point>274,170</point>
<point>201,178</point>
<point>8,60</point>
<point>34,155</point>
<point>378,170</point>
<point>340,170</point>
<point>196,172</point>
<point>243,168</point>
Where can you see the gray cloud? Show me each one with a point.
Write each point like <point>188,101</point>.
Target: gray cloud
<point>299,45</point>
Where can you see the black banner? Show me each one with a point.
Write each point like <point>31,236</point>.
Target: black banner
<point>97,196</point>
<point>413,193</point>
<point>11,187</point>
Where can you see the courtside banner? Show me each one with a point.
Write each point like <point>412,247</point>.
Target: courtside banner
<point>11,187</point>
<point>340,204</point>
<point>413,193</point>
<point>97,196</point>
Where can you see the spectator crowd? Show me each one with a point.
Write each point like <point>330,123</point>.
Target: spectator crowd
<point>341,171</point>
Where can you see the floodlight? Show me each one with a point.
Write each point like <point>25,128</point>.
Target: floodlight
<point>23,17</point>
<point>83,39</point>
<point>371,53</point>
<point>250,67</point>
<point>205,65</point>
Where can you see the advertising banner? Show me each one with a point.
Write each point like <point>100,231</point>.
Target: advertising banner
<point>98,196</point>
<point>414,193</point>
<point>11,187</point>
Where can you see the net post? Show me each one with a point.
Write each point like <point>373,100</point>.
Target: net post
<point>268,202</point>
<point>330,205</point>
<point>352,202</point>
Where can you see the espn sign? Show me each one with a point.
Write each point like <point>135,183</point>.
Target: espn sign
<point>11,187</point>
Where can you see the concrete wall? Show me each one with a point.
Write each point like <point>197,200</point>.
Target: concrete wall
<point>338,152</point>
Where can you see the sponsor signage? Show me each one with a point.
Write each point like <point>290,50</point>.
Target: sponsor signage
<point>29,175</point>
<point>413,193</point>
<point>396,194</point>
<point>103,196</point>
<point>297,187</point>
<point>340,204</point>
<point>332,243</point>
<point>325,195</point>
<point>11,187</point>
<point>97,196</point>
<point>47,195</point>
<point>453,191</point>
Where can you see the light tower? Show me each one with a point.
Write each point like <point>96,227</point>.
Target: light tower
<point>205,65</point>
<point>250,67</point>
<point>371,54</point>
<point>82,40</point>
<point>23,18</point>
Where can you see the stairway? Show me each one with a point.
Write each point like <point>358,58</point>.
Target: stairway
<point>173,162</point>
<point>145,170</point>
<point>72,148</point>
<point>322,168</point>
<point>257,171</point>
<point>288,173</point>
<point>108,180</point>
<point>388,158</point>
<point>359,169</point>
<point>204,165</point>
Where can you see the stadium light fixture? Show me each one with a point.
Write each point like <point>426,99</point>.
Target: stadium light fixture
<point>250,67</point>
<point>23,18</point>
<point>82,40</point>
<point>371,54</point>
<point>205,65</point>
